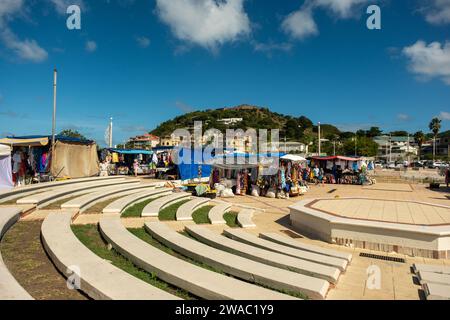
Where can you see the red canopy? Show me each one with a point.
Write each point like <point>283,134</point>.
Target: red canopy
<point>335,158</point>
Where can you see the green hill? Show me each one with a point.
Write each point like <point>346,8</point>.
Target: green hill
<point>292,128</point>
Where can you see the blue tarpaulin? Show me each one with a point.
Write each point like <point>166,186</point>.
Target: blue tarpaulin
<point>131,151</point>
<point>197,166</point>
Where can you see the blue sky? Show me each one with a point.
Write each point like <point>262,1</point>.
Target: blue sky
<point>146,61</point>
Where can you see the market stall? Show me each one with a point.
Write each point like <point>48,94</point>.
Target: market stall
<point>342,170</point>
<point>127,161</point>
<point>32,158</point>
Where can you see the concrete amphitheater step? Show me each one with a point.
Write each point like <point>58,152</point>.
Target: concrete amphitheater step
<point>121,204</point>
<point>216,214</point>
<point>245,217</point>
<point>153,208</point>
<point>185,211</point>
<point>99,279</point>
<point>253,240</point>
<point>10,289</point>
<point>237,266</point>
<point>434,291</point>
<point>89,199</point>
<point>200,282</point>
<point>289,242</point>
<point>278,260</point>
<point>45,198</point>
<point>431,277</point>
<point>15,193</point>
<point>417,267</point>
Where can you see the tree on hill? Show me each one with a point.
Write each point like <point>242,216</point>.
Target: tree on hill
<point>365,147</point>
<point>69,133</point>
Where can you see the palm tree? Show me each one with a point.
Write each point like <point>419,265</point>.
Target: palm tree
<point>435,127</point>
<point>420,138</point>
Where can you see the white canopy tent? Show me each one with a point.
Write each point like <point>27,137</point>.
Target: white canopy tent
<point>294,158</point>
<point>5,167</point>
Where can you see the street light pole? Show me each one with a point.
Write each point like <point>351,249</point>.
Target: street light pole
<point>55,76</point>
<point>320,142</point>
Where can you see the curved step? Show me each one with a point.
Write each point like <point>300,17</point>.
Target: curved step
<point>45,198</point>
<point>216,214</point>
<point>247,238</point>
<point>89,199</point>
<point>237,266</point>
<point>185,211</point>
<point>431,277</point>
<point>121,204</point>
<point>10,289</point>
<point>418,267</point>
<point>99,279</point>
<point>8,195</point>
<point>289,242</point>
<point>199,281</point>
<point>245,217</point>
<point>278,260</point>
<point>153,208</point>
<point>434,291</point>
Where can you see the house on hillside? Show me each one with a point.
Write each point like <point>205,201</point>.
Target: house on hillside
<point>145,142</point>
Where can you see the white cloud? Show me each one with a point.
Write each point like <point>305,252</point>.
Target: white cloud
<point>438,12</point>
<point>429,61</point>
<point>208,23</point>
<point>143,42</point>
<point>91,46</point>
<point>444,116</point>
<point>403,117</point>
<point>300,24</point>
<point>62,5</point>
<point>343,8</point>
<point>27,49</point>
<point>270,47</point>
<point>7,8</point>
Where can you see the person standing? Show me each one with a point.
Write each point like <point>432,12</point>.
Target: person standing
<point>17,159</point>
<point>136,167</point>
<point>316,172</point>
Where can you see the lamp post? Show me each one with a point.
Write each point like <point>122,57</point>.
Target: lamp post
<point>55,76</point>
<point>320,142</point>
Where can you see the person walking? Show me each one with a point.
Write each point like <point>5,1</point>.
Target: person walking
<point>136,167</point>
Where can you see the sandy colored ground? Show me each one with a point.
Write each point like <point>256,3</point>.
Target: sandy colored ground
<point>397,281</point>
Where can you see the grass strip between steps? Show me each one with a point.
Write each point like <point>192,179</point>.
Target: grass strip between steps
<point>170,213</point>
<point>135,211</point>
<point>90,236</point>
<point>231,219</point>
<point>200,216</point>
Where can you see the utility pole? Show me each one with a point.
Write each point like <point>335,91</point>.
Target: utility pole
<point>407,150</point>
<point>356,144</point>
<point>334,147</point>
<point>320,143</point>
<point>111,132</point>
<point>390,147</point>
<point>55,75</point>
